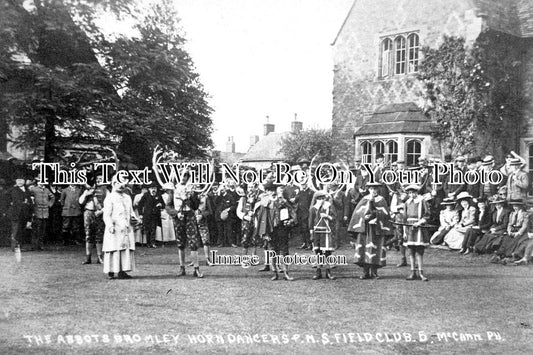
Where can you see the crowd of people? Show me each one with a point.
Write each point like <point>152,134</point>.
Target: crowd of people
<point>490,218</point>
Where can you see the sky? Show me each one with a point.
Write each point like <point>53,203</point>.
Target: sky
<point>259,58</point>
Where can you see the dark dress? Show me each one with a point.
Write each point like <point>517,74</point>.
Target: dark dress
<point>491,241</point>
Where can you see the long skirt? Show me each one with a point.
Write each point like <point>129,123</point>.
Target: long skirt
<point>455,238</point>
<point>369,250</point>
<point>510,245</point>
<point>120,260</point>
<point>488,243</point>
<point>166,233</point>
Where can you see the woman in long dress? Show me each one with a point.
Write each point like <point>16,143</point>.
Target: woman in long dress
<point>167,233</point>
<point>456,236</point>
<point>119,240</point>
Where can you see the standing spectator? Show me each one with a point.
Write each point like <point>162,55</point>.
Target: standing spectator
<point>487,190</point>
<point>4,207</point>
<point>43,200</point>
<point>150,207</point>
<point>19,211</point>
<point>227,206</point>
<point>93,201</point>
<point>303,199</point>
<point>168,233</point>
<point>138,229</point>
<point>339,200</point>
<point>119,242</point>
<point>517,181</point>
<point>71,214</point>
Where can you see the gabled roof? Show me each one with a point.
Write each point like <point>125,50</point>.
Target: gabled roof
<point>267,149</point>
<point>396,118</point>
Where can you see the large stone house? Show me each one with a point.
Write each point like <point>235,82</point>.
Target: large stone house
<point>376,96</point>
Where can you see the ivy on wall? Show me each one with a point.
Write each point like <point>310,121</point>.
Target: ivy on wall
<point>474,93</point>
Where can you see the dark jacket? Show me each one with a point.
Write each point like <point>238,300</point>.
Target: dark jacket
<point>20,206</point>
<point>150,206</point>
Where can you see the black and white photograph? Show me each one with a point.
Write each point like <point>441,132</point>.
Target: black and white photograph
<point>266,176</point>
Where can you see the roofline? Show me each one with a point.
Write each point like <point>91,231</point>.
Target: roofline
<point>344,23</point>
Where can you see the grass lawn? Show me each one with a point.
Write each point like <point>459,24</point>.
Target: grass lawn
<point>468,306</point>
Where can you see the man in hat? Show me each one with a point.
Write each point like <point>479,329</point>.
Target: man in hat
<point>517,181</point>
<point>92,199</point>
<point>19,212</point>
<point>71,215</point>
<point>226,210</point>
<point>303,199</point>
<point>454,189</point>
<point>370,222</point>
<point>43,199</point>
<point>149,208</point>
<point>355,191</point>
<point>487,190</point>
<point>471,169</point>
<point>417,237</point>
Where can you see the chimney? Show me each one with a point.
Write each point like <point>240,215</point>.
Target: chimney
<point>296,126</point>
<point>230,145</point>
<point>268,127</point>
<point>253,140</point>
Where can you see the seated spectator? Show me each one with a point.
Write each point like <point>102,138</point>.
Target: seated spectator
<point>448,218</point>
<point>516,233</point>
<point>455,237</point>
<point>481,227</point>
<point>500,219</point>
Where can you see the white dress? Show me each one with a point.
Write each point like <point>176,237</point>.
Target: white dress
<point>455,237</point>
<point>166,233</point>
<point>140,236</point>
<point>118,247</point>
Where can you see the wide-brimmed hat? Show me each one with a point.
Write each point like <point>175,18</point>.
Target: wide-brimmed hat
<point>448,201</point>
<point>488,160</point>
<point>320,194</point>
<point>168,186</point>
<point>517,201</point>
<point>463,195</point>
<point>515,161</point>
<point>373,184</point>
<point>460,158</point>
<point>413,187</point>
<point>497,200</point>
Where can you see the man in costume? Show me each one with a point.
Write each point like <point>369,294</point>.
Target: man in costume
<point>93,201</point>
<point>321,226</point>
<point>416,236</point>
<point>370,221</point>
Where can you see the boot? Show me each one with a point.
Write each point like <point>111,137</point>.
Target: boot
<point>197,273</point>
<point>182,271</point>
<point>100,260</point>
<point>366,274</point>
<point>422,277</point>
<point>412,276</point>
<point>318,274</point>
<point>329,276</point>
<point>287,277</point>
<point>468,251</point>
<point>403,262</point>
<point>111,275</point>
<point>374,273</point>
<point>266,268</point>
<point>123,276</point>
<point>275,277</point>
<point>87,261</point>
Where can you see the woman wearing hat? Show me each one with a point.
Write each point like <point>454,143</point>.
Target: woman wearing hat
<point>448,218</point>
<point>516,234</point>
<point>417,214</point>
<point>370,221</point>
<point>119,241</point>
<point>455,237</point>
<point>166,233</point>
<point>481,227</point>
<point>500,219</point>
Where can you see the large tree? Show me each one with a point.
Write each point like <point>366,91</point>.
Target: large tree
<point>61,77</point>
<point>307,144</point>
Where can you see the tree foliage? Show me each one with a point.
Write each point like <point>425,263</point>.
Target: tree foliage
<point>307,143</point>
<point>473,94</point>
<point>61,77</point>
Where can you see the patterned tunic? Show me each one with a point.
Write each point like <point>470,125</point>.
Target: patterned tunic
<point>371,223</point>
<point>415,210</point>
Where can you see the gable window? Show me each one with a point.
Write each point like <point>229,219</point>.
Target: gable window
<point>386,58</point>
<point>414,150</point>
<point>392,152</point>
<point>398,54</point>
<point>412,51</point>
<point>366,149</point>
